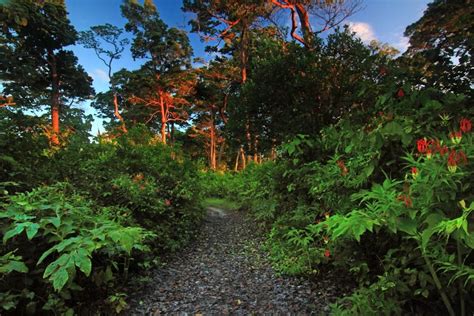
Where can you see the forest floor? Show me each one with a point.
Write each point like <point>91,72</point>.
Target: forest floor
<point>225,271</point>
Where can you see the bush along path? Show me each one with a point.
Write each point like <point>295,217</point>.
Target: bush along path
<point>225,272</point>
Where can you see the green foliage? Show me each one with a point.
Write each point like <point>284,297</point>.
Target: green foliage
<point>336,200</point>
<point>123,196</point>
<point>33,36</point>
<point>70,235</point>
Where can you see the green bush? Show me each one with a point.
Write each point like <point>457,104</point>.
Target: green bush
<point>362,198</point>
<point>64,243</point>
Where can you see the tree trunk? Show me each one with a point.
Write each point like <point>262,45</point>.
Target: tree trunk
<point>236,166</point>
<point>117,113</point>
<point>55,119</point>
<point>55,100</point>
<point>305,24</point>
<point>243,53</point>
<point>244,162</point>
<point>164,120</point>
<point>212,150</point>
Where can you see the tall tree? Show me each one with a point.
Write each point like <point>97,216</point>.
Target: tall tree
<point>317,88</point>
<point>210,115</point>
<point>230,21</point>
<point>328,14</point>
<point>441,45</point>
<point>36,69</point>
<point>169,56</point>
<point>108,35</point>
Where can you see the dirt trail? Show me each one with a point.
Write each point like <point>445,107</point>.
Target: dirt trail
<point>225,272</point>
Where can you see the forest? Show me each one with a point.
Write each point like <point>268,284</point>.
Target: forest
<point>296,170</point>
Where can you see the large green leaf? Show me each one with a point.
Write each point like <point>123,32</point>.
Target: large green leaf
<point>18,229</point>
<point>82,261</point>
<point>60,278</point>
<point>32,230</point>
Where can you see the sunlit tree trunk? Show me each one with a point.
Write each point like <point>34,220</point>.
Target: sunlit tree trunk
<point>236,166</point>
<point>55,100</point>
<point>243,53</point>
<point>212,156</point>
<point>164,120</point>
<point>117,113</point>
<point>244,159</point>
<point>305,24</point>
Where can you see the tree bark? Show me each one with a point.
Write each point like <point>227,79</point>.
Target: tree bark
<point>305,24</point>
<point>243,53</point>
<point>55,100</point>
<point>117,113</point>
<point>164,120</point>
<point>244,162</point>
<point>236,166</point>
<point>212,156</point>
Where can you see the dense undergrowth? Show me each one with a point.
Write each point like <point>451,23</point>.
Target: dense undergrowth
<point>367,153</point>
<point>77,219</point>
<point>389,201</point>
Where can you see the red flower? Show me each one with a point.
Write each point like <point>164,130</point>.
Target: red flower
<point>400,93</point>
<point>452,161</point>
<point>465,125</point>
<point>456,137</point>
<point>455,158</point>
<point>414,172</point>
<point>422,145</point>
<point>327,253</point>
<point>167,202</point>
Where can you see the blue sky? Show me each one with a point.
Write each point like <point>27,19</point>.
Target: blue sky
<point>384,20</point>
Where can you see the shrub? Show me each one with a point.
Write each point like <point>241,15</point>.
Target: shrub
<point>75,244</point>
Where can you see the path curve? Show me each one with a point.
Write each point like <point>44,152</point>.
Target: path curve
<point>225,272</point>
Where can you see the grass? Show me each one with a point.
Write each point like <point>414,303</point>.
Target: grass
<point>221,203</point>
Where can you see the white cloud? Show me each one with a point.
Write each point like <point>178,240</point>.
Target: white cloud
<point>402,43</point>
<point>363,30</point>
<point>100,75</point>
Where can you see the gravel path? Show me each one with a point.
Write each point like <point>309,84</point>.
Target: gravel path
<point>225,272</point>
